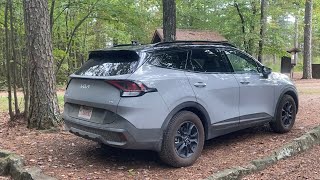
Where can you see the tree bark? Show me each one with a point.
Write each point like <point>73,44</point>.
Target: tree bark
<point>263,28</point>
<point>44,110</point>
<point>251,40</point>
<point>296,37</point>
<point>307,69</point>
<point>243,26</point>
<point>169,20</point>
<point>51,14</point>
<point>8,60</point>
<point>14,57</point>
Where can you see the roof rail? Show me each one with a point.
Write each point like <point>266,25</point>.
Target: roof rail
<point>226,43</point>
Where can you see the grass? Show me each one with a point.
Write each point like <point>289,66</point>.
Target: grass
<point>276,67</point>
<point>4,103</point>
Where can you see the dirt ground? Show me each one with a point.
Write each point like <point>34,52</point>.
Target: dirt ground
<point>65,156</point>
<point>302,166</point>
<point>5,178</point>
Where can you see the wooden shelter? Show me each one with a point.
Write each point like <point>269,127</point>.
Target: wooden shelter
<point>190,35</point>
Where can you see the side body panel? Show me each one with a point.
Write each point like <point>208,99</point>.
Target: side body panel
<point>215,88</point>
<point>173,88</point>
<point>257,93</point>
<point>220,97</point>
<point>257,96</point>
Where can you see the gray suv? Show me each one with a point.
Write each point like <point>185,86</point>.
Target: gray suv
<point>171,97</point>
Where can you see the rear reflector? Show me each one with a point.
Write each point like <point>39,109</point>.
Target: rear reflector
<point>130,88</point>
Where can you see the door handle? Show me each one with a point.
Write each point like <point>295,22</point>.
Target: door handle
<point>245,82</point>
<point>200,84</point>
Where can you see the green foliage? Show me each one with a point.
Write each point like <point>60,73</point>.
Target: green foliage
<point>80,26</point>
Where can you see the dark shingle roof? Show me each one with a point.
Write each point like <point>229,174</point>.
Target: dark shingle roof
<point>190,35</point>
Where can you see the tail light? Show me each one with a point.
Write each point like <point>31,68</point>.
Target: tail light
<point>131,88</point>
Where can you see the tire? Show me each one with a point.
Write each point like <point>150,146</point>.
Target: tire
<point>176,138</point>
<point>285,115</point>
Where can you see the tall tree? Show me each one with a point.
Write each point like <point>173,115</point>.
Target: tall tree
<point>44,110</point>
<point>14,58</point>
<point>243,24</point>
<point>307,69</point>
<point>8,59</point>
<point>169,20</point>
<point>247,12</point>
<point>263,27</point>
<point>296,37</point>
<point>51,14</point>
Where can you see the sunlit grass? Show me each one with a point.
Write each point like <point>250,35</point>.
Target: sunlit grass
<point>4,107</point>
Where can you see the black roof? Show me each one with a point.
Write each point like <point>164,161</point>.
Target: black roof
<point>130,47</point>
<point>224,43</point>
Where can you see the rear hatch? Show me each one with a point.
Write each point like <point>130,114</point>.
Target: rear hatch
<point>89,97</point>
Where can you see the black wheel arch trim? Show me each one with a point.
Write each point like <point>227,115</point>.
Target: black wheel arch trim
<point>289,91</point>
<point>191,106</point>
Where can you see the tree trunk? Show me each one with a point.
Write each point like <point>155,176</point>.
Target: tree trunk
<point>243,26</point>
<point>8,61</point>
<point>307,69</point>
<point>252,30</point>
<point>51,14</point>
<point>296,38</point>
<point>3,48</point>
<point>263,27</point>
<point>27,90</point>
<point>14,57</point>
<point>44,110</point>
<point>169,20</point>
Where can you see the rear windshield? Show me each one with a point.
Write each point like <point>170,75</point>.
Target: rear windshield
<point>110,63</point>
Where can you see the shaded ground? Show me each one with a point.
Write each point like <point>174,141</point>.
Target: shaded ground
<point>302,166</point>
<point>66,156</point>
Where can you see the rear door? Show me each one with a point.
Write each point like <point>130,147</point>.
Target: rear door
<point>256,92</point>
<point>88,95</point>
<point>215,87</point>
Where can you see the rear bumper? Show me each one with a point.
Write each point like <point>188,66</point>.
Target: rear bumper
<point>120,133</point>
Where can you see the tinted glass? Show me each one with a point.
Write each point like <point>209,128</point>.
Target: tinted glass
<point>172,59</point>
<point>110,64</point>
<point>207,60</point>
<point>240,62</point>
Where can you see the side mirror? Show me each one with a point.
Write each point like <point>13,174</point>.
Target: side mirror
<point>266,71</point>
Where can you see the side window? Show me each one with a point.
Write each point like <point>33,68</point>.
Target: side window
<point>207,60</point>
<point>172,59</point>
<point>240,62</point>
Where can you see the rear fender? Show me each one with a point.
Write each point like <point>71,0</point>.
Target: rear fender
<point>194,107</point>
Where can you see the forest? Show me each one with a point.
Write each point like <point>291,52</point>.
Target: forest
<point>78,26</point>
<point>43,42</point>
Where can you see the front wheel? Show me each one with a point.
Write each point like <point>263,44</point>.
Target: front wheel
<point>285,115</point>
<point>183,140</point>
